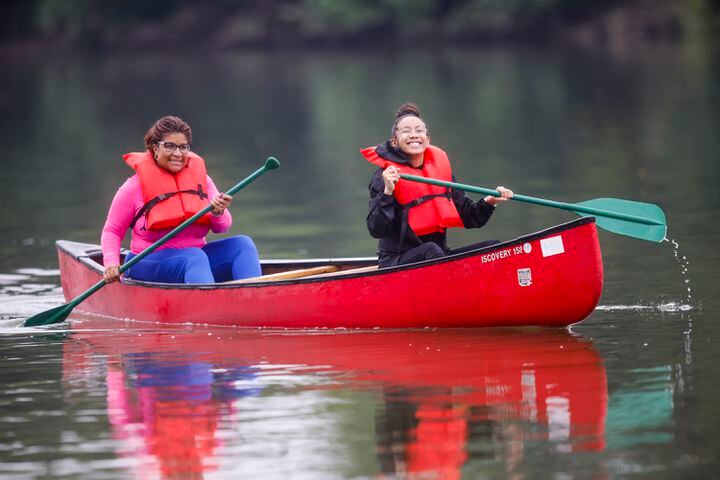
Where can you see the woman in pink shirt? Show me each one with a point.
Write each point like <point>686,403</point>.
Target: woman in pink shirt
<point>169,186</point>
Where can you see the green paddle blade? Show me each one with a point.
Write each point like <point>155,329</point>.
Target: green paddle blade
<point>642,220</point>
<point>48,317</point>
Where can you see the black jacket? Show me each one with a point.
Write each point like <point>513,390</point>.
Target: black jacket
<point>385,218</point>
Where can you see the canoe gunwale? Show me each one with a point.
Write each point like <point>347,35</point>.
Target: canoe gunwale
<point>84,255</point>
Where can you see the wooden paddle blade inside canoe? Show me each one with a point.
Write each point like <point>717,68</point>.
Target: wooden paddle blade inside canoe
<point>654,230</point>
<point>49,317</point>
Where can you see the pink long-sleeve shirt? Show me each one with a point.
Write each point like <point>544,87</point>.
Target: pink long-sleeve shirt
<point>127,203</point>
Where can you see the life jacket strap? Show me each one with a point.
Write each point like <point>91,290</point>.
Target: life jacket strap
<point>425,198</point>
<point>405,207</point>
<point>145,210</point>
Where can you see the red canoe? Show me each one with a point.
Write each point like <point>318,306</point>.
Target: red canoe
<point>549,278</point>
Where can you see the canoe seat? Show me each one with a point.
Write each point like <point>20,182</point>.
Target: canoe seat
<point>289,275</point>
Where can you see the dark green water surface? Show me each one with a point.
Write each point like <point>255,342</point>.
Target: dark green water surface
<point>630,392</point>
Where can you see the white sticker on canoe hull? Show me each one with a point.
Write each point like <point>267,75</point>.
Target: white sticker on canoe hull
<point>552,246</point>
<point>524,277</point>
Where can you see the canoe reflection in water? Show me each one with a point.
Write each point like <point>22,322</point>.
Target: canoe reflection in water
<point>438,403</point>
<point>177,406</point>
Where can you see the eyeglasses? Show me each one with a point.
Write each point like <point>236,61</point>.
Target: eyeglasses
<point>170,147</point>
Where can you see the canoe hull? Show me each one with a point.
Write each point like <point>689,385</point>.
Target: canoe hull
<point>551,278</point>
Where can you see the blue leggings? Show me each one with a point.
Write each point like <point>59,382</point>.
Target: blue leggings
<point>219,261</point>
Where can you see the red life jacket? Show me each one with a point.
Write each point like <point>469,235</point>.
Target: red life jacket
<point>170,199</point>
<point>430,207</point>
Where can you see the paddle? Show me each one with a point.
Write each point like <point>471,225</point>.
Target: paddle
<point>59,314</point>
<point>633,219</point>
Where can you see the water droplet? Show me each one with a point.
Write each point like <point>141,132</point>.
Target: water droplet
<point>683,263</point>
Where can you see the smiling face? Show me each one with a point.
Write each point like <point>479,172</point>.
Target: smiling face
<point>167,155</point>
<point>411,137</point>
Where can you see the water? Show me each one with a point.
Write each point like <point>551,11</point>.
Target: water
<point>684,265</point>
<point>630,391</point>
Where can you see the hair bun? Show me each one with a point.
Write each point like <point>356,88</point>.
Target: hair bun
<point>408,109</point>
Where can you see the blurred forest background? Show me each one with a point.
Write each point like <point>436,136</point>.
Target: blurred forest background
<point>232,24</point>
<point>566,99</point>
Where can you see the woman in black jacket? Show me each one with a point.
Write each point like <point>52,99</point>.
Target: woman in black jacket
<point>408,218</point>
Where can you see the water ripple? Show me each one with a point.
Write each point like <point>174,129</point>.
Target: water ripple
<point>25,292</point>
<point>661,307</point>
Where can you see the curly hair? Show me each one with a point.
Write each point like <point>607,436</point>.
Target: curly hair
<point>165,125</point>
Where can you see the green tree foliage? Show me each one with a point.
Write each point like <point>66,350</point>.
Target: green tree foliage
<point>229,23</point>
